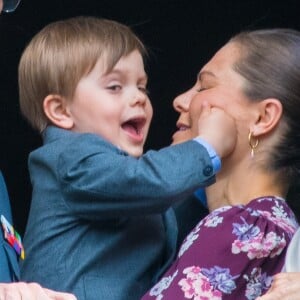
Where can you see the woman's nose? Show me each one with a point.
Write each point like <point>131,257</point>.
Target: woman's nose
<point>182,102</point>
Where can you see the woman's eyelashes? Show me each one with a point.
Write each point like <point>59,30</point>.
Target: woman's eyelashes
<point>205,86</point>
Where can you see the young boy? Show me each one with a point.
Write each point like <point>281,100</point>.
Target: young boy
<point>99,224</point>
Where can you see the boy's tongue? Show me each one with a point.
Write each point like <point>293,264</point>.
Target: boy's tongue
<point>129,128</point>
<point>132,131</point>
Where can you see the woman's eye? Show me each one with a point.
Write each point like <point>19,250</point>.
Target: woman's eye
<point>200,89</point>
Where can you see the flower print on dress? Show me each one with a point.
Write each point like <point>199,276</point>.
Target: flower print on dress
<point>245,231</point>
<point>270,199</point>
<point>220,279</point>
<point>279,211</point>
<point>279,215</point>
<point>282,219</point>
<point>255,243</point>
<point>162,285</point>
<point>213,221</point>
<point>196,286</point>
<point>257,283</point>
<point>202,283</point>
<point>188,242</point>
<point>220,210</point>
<point>212,218</point>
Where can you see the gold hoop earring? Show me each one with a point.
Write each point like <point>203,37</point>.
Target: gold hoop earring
<point>253,144</point>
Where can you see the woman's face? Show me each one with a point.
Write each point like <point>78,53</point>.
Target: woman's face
<point>220,86</point>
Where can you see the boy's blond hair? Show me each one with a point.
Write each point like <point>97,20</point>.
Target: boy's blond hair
<point>62,53</point>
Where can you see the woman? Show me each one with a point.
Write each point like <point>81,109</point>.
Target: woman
<point>234,251</point>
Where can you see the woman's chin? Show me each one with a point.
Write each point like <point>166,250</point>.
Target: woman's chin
<point>180,137</point>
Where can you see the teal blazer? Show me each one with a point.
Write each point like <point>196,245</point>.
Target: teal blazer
<point>100,223</point>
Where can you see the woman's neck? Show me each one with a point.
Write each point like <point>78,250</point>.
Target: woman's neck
<point>242,184</point>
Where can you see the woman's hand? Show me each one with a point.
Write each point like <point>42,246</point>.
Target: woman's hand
<point>285,286</point>
<point>30,291</point>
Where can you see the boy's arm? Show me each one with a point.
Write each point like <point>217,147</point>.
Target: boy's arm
<point>100,179</point>
<point>109,183</point>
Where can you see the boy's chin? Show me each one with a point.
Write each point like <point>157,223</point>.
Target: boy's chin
<point>135,152</point>
<point>137,155</point>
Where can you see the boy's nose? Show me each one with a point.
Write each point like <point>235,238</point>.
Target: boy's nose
<point>139,98</point>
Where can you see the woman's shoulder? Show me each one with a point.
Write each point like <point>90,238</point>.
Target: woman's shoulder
<point>268,209</point>
<point>262,219</point>
<point>243,244</point>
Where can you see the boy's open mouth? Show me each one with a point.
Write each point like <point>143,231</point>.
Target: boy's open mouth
<point>134,127</point>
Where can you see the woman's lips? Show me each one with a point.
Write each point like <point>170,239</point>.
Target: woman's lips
<point>182,134</point>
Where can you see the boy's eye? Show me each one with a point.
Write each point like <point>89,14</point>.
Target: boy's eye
<point>143,89</point>
<point>115,87</point>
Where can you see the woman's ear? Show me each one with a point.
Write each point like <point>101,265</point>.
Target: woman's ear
<point>56,110</point>
<point>269,112</point>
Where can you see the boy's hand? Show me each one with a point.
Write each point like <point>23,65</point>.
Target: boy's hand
<point>218,129</point>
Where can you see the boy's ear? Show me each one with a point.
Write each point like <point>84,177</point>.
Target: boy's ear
<point>56,110</point>
<point>269,112</point>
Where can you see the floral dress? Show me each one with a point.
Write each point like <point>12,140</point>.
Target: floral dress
<point>231,254</point>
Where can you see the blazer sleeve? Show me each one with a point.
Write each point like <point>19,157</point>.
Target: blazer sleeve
<point>101,179</point>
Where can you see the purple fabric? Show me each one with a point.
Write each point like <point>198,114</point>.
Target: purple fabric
<point>231,254</point>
